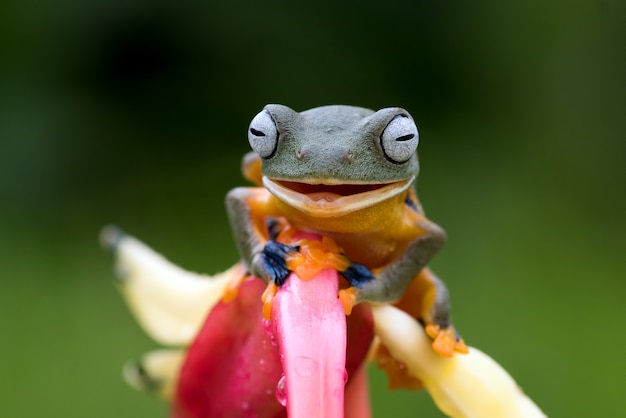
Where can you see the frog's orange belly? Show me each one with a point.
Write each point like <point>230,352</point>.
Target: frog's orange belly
<point>367,250</point>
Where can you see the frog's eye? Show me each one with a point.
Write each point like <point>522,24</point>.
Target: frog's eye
<point>263,134</point>
<point>399,139</point>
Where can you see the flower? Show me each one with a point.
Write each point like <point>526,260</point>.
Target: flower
<point>247,350</point>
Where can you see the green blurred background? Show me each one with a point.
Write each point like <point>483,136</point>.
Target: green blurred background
<point>135,113</point>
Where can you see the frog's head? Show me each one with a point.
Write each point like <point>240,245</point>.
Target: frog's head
<point>333,160</point>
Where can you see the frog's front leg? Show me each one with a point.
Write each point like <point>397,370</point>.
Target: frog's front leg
<point>249,210</point>
<point>390,283</point>
<point>427,298</point>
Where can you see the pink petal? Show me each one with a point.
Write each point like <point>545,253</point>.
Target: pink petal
<point>311,327</point>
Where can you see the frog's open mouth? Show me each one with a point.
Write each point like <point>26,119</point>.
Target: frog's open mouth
<point>326,200</point>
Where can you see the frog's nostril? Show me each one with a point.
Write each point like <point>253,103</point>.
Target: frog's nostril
<point>300,155</point>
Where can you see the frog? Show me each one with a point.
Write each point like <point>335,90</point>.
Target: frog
<point>347,173</point>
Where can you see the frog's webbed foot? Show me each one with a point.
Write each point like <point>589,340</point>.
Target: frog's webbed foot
<point>359,277</point>
<point>446,340</point>
<point>270,264</point>
<point>364,285</point>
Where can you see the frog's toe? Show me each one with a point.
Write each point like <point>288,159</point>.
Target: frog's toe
<point>273,261</point>
<point>446,340</point>
<point>348,298</point>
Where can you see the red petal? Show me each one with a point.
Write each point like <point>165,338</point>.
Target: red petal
<point>357,404</point>
<point>233,366</point>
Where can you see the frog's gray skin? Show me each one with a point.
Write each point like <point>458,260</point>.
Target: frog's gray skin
<point>346,173</point>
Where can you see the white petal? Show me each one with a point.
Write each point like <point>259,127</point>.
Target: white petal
<point>168,302</point>
<point>465,386</point>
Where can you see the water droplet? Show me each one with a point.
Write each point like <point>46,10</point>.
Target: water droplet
<point>262,364</point>
<point>305,366</point>
<point>345,376</point>
<point>267,326</point>
<point>281,391</point>
<point>273,340</point>
<point>247,410</point>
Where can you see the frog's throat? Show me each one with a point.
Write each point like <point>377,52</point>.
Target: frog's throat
<point>325,201</point>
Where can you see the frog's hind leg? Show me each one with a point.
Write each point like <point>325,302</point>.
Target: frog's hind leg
<point>427,299</point>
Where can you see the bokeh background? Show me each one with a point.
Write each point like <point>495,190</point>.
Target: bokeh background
<point>135,113</point>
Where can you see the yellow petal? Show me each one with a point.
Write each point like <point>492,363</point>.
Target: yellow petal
<point>168,302</point>
<point>464,386</point>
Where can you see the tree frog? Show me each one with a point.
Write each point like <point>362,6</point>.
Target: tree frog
<point>347,173</point>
